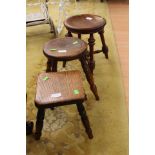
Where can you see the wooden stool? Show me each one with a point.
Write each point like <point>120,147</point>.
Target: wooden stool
<point>88,24</point>
<point>66,49</point>
<point>59,89</point>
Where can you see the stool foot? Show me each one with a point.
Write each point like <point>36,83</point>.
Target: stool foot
<point>89,75</point>
<point>105,51</point>
<point>39,123</point>
<point>84,119</point>
<point>104,46</point>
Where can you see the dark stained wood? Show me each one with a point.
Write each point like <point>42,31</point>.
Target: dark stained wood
<point>69,34</point>
<point>63,82</point>
<point>80,23</point>
<point>39,123</point>
<point>54,66</point>
<point>104,46</point>
<point>91,42</point>
<point>88,24</point>
<point>74,51</point>
<point>84,119</point>
<point>49,64</point>
<point>60,82</point>
<point>89,75</point>
<point>79,36</point>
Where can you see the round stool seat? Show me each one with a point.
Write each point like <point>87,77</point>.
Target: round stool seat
<point>64,48</point>
<point>84,23</point>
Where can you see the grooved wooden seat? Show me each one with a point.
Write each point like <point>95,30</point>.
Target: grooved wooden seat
<point>85,23</point>
<point>66,49</point>
<point>59,89</point>
<point>88,24</point>
<point>72,50</point>
<point>59,82</point>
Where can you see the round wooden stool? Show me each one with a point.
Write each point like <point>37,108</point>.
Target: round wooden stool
<point>50,94</point>
<point>88,24</point>
<point>66,49</point>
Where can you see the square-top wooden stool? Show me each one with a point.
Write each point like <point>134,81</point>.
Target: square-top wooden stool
<point>59,89</point>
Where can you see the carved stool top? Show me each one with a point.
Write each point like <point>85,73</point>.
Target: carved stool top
<point>84,23</point>
<point>64,48</point>
<point>59,87</point>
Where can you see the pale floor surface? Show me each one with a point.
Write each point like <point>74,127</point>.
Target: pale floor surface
<point>119,12</point>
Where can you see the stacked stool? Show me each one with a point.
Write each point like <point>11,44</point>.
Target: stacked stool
<point>88,24</point>
<point>59,89</point>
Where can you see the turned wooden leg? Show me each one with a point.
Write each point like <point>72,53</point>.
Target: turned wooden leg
<point>64,63</point>
<point>104,46</point>
<point>54,66</point>
<point>79,36</point>
<point>39,123</point>
<point>89,75</point>
<point>49,65</point>
<point>69,34</point>
<point>84,119</point>
<point>91,42</point>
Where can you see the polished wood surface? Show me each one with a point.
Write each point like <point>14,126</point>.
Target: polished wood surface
<point>59,82</point>
<point>69,85</point>
<point>88,24</point>
<point>84,23</point>
<point>73,47</point>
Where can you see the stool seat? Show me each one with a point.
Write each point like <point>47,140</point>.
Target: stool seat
<point>59,87</point>
<point>84,23</point>
<point>64,48</point>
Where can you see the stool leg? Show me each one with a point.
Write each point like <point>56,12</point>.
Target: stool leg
<point>64,63</point>
<point>39,123</point>
<point>49,65</point>
<point>84,119</point>
<point>104,46</point>
<point>54,66</point>
<point>79,36</point>
<point>91,42</point>
<point>69,34</point>
<point>89,75</point>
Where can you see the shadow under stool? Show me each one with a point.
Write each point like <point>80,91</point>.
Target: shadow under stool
<point>67,49</point>
<point>60,89</point>
<point>88,24</point>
